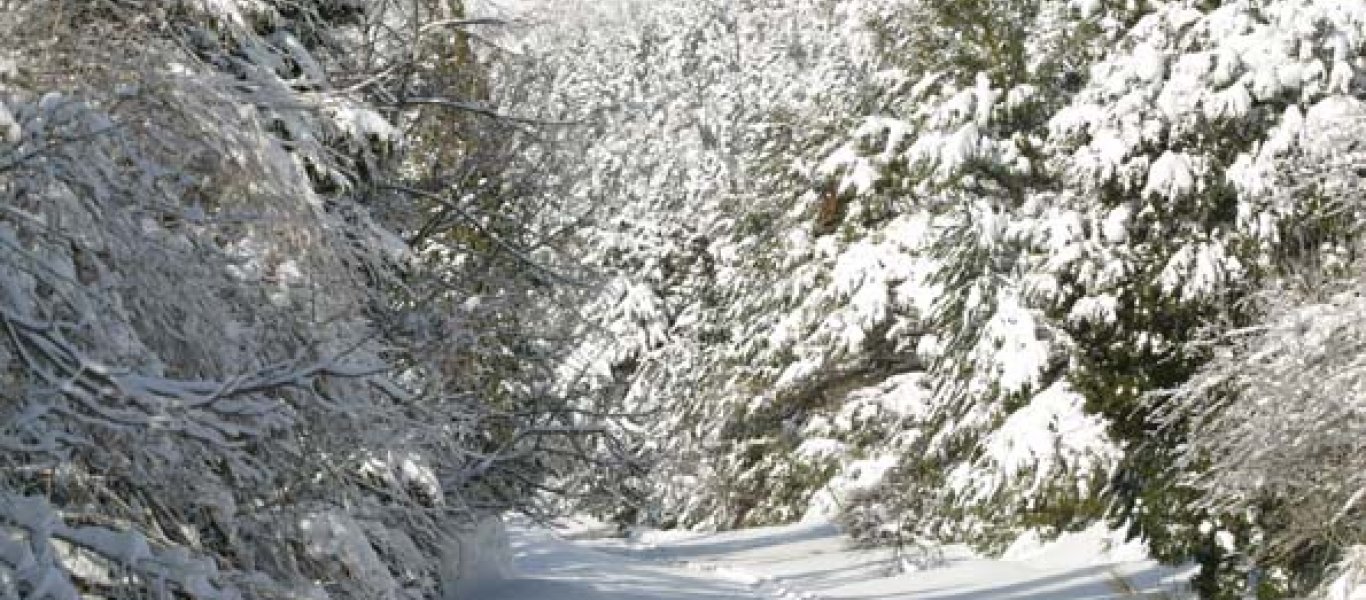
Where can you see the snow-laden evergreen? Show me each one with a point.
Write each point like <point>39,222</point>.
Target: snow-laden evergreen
<point>963,249</point>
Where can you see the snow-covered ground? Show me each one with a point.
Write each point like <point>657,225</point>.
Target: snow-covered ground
<point>549,567</point>
<point>812,561</point>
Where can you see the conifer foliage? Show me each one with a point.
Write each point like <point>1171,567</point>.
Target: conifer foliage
<point>967,269</point>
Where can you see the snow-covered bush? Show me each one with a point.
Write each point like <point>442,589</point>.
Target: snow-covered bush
<point>1279,423</point>
<point>254,343</point>
<point>1277,415</point>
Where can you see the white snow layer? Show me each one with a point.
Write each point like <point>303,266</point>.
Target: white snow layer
<point>1053,432</point>
<point>813,561</point>
<point>551,568</point>
<point>477,558</point>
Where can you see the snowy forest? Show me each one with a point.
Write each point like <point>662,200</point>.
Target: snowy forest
<point>301,298</point>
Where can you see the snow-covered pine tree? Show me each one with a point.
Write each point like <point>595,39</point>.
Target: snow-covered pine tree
<point>1111,247</point>
<point>1174,144</point>
<point>948,245</point>
<point>1004,442</point>
<point>705,110</point>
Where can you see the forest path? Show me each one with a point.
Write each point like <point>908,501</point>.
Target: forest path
<point>548,567</point>
<point>814,561</point>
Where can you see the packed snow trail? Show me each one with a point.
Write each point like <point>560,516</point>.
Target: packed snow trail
<point>814,561</point>
<point>547,567</point>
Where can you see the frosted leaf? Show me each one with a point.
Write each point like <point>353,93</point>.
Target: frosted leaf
<point>1232,103</point>
<point>814,449</point>
<point>1199,270</point>
<point>801,370</point>
<point>1086,8</point>
<point>125,547</point>
<point>906,397</point>
<point>1340,77</point>
<point>1064,230</point>
<point>337,538</point>
<point>1265,84</point>
<point>1331,124</point>
<point>955,110</point>
<point>925,84</point>
<point>1010,348</point>
<point>1101,309</point>
<point>1074,120</point>
<point>312,73</point>
<point>1182,16</point>
<point>1115,226</point>
<point>1042,288</point>
<point>1291,76</point>
<point>1171,176</point>
<point>858,173</point>
<point>959,149</point>
<point>1185,86</point>
<point>863,265</point>
<point>1149,63</point>
<point>643,309</point>
<point>1052,433</point>
<point>363,123</point>
<point>231,12</point>
<point>858,476</point>
<point>985,100</point>
<point>1228,65</point>
<point>1100,160</point>
<point>1020,95</point>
